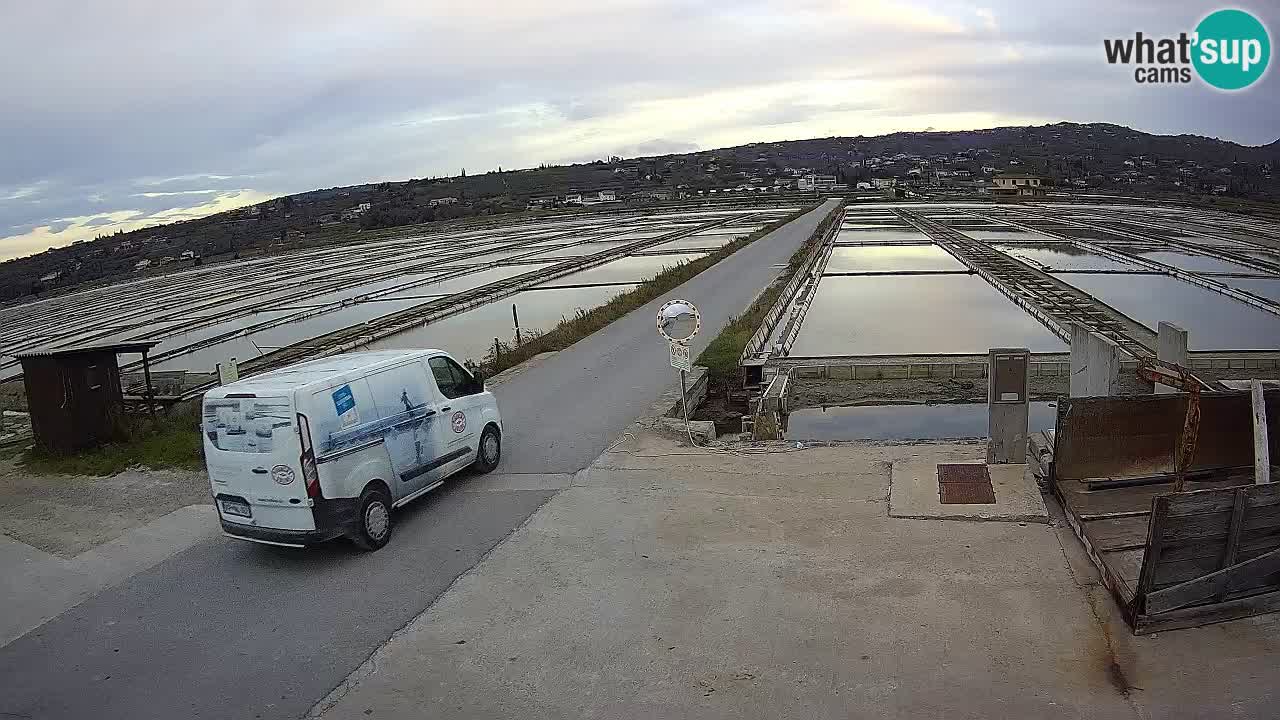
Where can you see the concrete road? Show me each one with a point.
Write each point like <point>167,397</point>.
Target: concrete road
<point>589,393</point>
<point>232,630</point>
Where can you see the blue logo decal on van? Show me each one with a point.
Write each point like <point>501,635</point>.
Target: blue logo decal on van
<point>344,402</point>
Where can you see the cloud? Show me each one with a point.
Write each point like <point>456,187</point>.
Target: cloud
<point>988,18</point>
<point>65,231</point>
<point>146,106</point>
<point>175,193</point>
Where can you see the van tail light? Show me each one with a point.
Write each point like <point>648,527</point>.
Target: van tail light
<point>310,474</point>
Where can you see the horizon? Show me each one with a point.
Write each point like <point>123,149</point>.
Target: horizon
<point>108,137</point>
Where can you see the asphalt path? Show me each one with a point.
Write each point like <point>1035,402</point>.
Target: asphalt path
<point>228,629</point>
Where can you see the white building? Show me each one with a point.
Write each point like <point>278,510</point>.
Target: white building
<point>1017,186</point>
<point>815,182</point>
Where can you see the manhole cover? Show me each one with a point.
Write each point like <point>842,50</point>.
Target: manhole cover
<point>965,485</point>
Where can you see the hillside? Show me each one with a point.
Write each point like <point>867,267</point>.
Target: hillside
<point>1097,157</point>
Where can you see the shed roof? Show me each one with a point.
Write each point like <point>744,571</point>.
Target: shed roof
<point>125,347</point>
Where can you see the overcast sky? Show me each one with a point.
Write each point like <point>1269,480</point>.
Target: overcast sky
<point>124,114</point>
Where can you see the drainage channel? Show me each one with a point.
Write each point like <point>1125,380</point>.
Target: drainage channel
<point>1052,302</point>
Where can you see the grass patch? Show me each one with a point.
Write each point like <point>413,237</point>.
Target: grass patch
<point>174,442</point>
<point>721,356</point>
<point>586,322</point>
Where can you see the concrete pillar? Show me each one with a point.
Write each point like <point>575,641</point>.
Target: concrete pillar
<point>1171,347</point>
<point>1079,360</point>
<point>1008,410</point>
<point>1104,366</point>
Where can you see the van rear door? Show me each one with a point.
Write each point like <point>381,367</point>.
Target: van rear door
<point>254,455</point>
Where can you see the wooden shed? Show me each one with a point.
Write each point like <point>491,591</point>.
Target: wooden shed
<point>74,394</point>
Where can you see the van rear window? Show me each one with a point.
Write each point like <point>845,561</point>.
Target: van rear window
<point>250,425</point>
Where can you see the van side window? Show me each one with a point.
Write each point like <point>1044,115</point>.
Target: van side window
<point>454,382</point>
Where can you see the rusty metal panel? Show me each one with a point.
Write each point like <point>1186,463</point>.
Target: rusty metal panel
<point>963,473</point>
<point>1101,437</point>
<point>965,484</point>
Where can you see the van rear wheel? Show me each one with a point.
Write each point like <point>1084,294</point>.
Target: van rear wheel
<point>490,452</point>
<point>373,527</point>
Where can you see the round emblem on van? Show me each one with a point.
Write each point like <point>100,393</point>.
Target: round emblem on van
<point>282,474</point>
<point>459,421</point>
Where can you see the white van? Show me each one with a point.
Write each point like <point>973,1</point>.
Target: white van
<point>329,447</point>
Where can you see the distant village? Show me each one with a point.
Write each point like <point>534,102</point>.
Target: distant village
<point>1000,164</point>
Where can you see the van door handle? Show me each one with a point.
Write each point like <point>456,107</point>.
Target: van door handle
<point>446,408</point>
<point>260,471</point>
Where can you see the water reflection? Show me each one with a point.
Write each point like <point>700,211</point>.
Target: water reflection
<point>891,258</point>
<point>1213,320</point>
<point>1195,263</point>
<point>904,422</point>
<point>885,315</point>
<point>1063,256</point>
<point>470,334</point>
<point>882,236</point>
<point>1262,287</point>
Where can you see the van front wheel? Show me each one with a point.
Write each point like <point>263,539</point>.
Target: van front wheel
<point>490,452</point>
<point>373,528</point>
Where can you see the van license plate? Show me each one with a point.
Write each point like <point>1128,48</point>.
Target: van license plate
<point>234,508</point>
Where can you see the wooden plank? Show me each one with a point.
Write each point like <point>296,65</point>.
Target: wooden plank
<point>1261,448</point>
<point>1175,572</point>
<point>1197,616</point>
<point>1199,502</point>
<point>1125,564</point>
<point>1155,543</point>
<point>1232,545</point>
<point>1122,533</point>
<point>1089,517</point>
<point>1208,549</point>
<point>1201,588</point>
<point>1241,474</point>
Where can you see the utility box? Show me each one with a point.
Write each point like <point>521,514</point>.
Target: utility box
<point>1008,408</point>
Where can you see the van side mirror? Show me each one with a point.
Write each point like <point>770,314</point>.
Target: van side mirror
<point>479,379</point>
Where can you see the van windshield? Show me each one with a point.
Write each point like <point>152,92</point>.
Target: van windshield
<point>251,425</point>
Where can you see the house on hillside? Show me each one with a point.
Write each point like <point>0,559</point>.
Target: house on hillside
<point>600,196</point>
<point>1016,187</point>
<point>815,182</point>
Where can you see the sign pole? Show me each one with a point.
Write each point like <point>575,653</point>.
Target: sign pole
<point>678,321</point>
<point>684,402</point>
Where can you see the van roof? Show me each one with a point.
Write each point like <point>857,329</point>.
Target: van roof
<point>318,371</point>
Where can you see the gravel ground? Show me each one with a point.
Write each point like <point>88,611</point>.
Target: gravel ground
<point>67,515</point>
